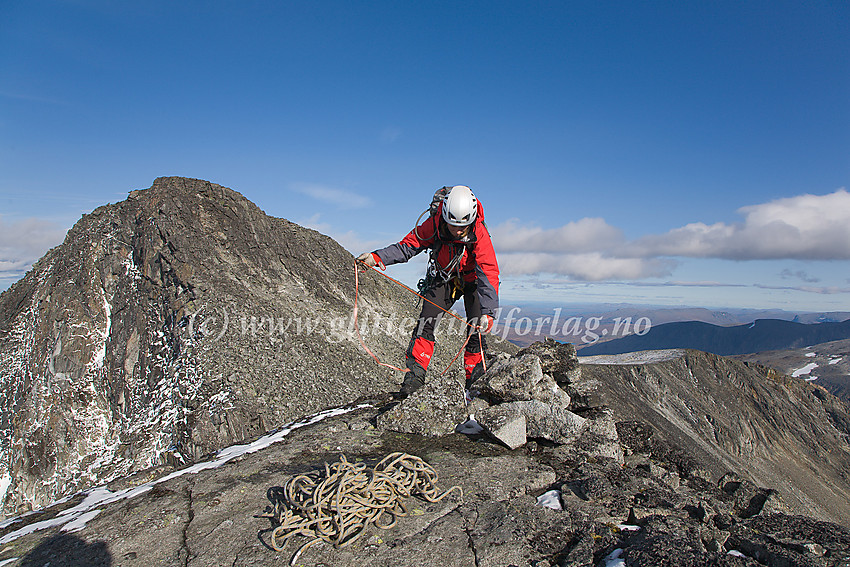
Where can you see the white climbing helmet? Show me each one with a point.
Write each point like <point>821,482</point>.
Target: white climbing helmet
<point>460,206</point>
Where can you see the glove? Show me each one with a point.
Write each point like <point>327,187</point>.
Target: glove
<point>370,259</point>
<point>485,323</point>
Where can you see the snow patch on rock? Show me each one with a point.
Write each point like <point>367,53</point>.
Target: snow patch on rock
<point>640,357</point>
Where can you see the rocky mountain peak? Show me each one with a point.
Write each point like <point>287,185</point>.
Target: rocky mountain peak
<point>172,324</point>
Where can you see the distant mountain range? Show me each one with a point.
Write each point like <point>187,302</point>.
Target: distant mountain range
<point>760,335</point>
<point>528,322</point>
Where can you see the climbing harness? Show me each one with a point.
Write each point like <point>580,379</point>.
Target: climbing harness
<point>363,343</point>
<point>337,506</point>
<point>435,275</point>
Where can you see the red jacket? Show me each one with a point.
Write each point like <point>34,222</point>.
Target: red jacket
<point>477,264</point>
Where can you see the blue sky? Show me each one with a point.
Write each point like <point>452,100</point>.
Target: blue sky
<point>674,153</point>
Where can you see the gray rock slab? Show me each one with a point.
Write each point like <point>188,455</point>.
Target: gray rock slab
<point>515,532</point>
<point>218,516</point>
<point>549,422</point>
<point>435,409</point>
<point>521,378</point>
<point>504,422</point>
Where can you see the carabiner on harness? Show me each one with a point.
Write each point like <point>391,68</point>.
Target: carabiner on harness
<point>435,276</point>
<point>457,288</point>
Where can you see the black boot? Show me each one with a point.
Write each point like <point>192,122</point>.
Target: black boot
<point>413,380</point>
<point>476,373</point>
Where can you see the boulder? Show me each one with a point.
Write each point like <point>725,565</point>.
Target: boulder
<point>504,422</point>
<point>435,409</point>
<point>585,394</point>
<point>549,422</point>
<point>556,359</point>
<point>521,378</point>
<point>600,439</point>
<point>542,421</point>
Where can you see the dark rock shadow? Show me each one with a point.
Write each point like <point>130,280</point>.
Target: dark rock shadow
<point>67,550</point>
<point>277,498</point>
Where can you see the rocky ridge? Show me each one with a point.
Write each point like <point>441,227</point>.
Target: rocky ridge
<point>827,364</point>
<point>615,489</point>
<point>781,431</point>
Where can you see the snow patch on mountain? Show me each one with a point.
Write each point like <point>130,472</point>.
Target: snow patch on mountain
<point>807,369</point>
<point>5,481</point>
<point>639,357</point>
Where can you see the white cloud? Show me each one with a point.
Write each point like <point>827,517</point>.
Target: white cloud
<point>316,224</point>
<point>339,198</point>
<point>577,249</point>
<point>584,235</point>
<point>683,283</point>
<point>806,227</point>
<point>823,290</point>
<point>23,242</point>
<point>591,266</point>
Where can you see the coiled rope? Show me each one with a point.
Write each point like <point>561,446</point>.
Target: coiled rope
<point>339,505</point>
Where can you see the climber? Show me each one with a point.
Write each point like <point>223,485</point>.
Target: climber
<point>462,264</point>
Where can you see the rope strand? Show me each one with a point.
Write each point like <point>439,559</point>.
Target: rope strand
<point>464,321</point>
<point>363,343</point>
<point>357,327</point>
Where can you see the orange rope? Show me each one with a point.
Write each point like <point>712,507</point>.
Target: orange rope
<point>363,344</point>
<point>458,354</point>
<point>465,322</point>
<point>357,327</point>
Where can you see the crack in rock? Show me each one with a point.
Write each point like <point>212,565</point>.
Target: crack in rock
<point>472,546</point>
<point>468,525</point>
<point>185,536</point>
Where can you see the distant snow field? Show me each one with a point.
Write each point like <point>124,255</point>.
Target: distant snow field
<point>807,369</point>
<point>5,482</point>
<point>640,357</point>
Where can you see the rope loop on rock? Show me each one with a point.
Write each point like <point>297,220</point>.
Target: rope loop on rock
<point>338,505</point>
